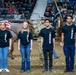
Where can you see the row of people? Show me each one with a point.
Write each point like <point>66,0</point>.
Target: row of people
<point>12,8</point>
<point>25,42</point>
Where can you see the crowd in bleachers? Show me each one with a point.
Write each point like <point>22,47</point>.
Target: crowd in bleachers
<point>65,7</point>
<point>16,9</point>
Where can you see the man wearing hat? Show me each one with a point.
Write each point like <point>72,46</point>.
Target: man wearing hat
<point>37,31</point>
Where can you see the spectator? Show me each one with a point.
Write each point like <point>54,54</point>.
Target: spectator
<point>23,16</point>
<point>75,6</point>
<point>52,11</point>
<point>18,4</point>
<point>17,16</point>
<point>46,14</point>
<point>26,5</point>
<point>59,3</point>
<point>10,11</point>
<point>13,6</point>
<point>15,11</point>
<point>6,5</point>
<point>9,3</point>
<point>48,9</point>
<point>74,17</point>
<point>2,5</point>
<point>64,14</point>
<point>65,5</point>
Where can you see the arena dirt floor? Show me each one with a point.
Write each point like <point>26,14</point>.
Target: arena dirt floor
<point>36,64</point>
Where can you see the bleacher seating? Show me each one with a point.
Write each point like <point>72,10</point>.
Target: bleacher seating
<point>21,9</point>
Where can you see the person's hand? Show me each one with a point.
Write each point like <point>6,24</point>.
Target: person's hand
<point>30,49</point>
<point>54,48</point>
<point>18,48</point>
<point>61,44</point>
<point>9,49</point>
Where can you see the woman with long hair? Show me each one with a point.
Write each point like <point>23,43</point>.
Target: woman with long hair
<point>25,39</point>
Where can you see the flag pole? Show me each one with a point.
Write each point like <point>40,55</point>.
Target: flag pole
<point>57,8</point>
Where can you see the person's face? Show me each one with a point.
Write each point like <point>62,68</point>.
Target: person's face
<point>42,21</point>
<point>69,19</point>
<point>25,25</point>
<point>3,26</point>
<point>47,23</point>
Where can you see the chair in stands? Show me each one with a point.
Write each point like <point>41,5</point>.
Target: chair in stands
<point>8,16</point>
<point>5,11</point>
<point>27,14</point>
<point>22,9</point>
<point>1,10</point>
<point>3,16</point>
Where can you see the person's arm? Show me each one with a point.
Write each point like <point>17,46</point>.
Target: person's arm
<point>19,38</point>
<point>41,36</point>
<point>10,40</point>
<point>31,40</point>
<point>31,44</point>
<point>10,43</point>
<point>53,43</point>
<point>18,44</point>
<point>62,38</point>
<point>41,43</point>
<point>54,35</point>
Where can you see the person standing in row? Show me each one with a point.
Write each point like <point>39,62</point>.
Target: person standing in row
<point>68,43</point>
<point>25,39</point>
<point>37,31</point>
<point>48,45</point>
<point>5,46</point>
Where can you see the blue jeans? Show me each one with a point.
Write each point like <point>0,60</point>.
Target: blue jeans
<point>69,52</point>
<point>55,54</point>
<point>25,53</point>
<point>4,57</point>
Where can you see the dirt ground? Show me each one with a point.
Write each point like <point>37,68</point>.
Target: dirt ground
<point>36,64</point>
